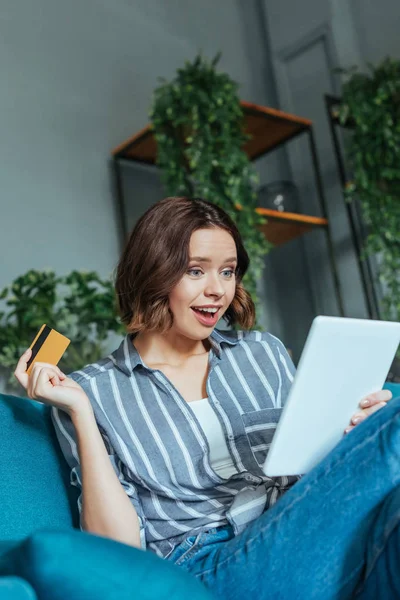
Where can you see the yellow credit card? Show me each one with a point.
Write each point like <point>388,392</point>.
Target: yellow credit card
<point>48,347</point>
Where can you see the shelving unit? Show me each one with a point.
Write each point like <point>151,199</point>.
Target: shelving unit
<point>269,128</point>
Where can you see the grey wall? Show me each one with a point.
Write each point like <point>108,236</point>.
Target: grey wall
<point>377,25</point>
<point>77,81</point>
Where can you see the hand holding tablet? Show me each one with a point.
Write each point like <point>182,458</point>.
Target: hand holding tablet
<point>343,361</point>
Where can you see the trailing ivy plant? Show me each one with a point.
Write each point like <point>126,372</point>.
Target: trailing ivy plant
<point>371,107</point>
<point>198,124</point>
<point>80,305</point>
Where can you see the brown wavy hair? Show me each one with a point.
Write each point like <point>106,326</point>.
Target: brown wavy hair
<point>156,257</point>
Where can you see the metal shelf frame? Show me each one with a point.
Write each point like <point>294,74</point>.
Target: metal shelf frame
<point>270,129</point>
<point>357,226</point>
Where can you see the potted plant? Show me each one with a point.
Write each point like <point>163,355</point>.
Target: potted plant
<point>80,305</point>
<point>371,106</point>
<point>198,124</point>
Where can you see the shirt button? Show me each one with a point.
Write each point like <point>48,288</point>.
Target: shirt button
<point>231,437</point>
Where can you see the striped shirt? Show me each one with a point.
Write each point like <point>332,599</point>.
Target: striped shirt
<point>159,450</point>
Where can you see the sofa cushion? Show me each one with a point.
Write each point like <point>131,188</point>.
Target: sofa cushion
<point>35,490</point>
<point>76,564</point>
<point>15,588</point>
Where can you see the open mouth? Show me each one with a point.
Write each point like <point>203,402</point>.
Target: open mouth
<point>206,316</point>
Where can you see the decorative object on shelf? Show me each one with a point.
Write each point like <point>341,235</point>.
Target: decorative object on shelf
<point>370,106</point>
<point>279,195</point>
<point>80,305</point>
<point>200,136</point>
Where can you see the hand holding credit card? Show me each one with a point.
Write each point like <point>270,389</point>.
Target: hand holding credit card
<point>38,373</point>
<point>47,347</point>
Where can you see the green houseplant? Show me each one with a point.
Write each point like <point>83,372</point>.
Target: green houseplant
<point>79,305</point>
<point>199,128</point>
<point>371,107</point>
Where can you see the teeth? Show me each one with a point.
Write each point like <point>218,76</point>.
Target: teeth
<point>210,310</point>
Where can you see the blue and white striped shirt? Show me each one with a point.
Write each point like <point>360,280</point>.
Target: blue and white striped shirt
<point>159,450</point>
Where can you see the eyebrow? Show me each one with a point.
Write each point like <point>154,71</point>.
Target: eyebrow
<point>203,259</point>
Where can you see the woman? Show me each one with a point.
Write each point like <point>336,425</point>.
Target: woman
<point>167,436</point>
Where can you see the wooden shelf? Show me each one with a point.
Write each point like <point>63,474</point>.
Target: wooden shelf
<point>283,227</point>
<point>268,127</point>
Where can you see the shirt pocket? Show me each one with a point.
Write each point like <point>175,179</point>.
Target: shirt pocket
<point>260,426</point>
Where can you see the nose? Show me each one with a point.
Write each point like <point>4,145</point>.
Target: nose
<point>214,286</point>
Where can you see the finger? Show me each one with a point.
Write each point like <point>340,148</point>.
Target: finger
<point>348,429</point>
<point>358,417</point>
<point>35,375</point>
<point>50,366</point>
<point>375,398</point>
<point>32,379</point>
<point>366,412</point>
<point>20,370</point>
<point>374,408</point>
<point>45,380</point>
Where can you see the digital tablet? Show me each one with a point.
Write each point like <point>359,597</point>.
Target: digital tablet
<point>343,361</point>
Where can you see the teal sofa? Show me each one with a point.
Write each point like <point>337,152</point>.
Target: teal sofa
<point>42,551</point>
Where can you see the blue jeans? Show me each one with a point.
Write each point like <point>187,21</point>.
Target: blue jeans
<point>334,535</point>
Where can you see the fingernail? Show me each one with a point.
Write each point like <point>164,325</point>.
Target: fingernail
<point>347,430</point>
<point>356,420</point>
<point>28,350</point>
<point>365,403</point>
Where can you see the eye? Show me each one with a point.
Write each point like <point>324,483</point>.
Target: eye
<point>229,272</point>
<point>194,271</point>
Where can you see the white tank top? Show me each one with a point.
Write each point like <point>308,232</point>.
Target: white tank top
<point>220,458</point>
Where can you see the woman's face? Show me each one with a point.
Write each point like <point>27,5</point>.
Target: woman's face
<point>208,283</point>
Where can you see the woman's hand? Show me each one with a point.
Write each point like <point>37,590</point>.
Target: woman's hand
<point>369,405</point>
<point>48,384</point>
